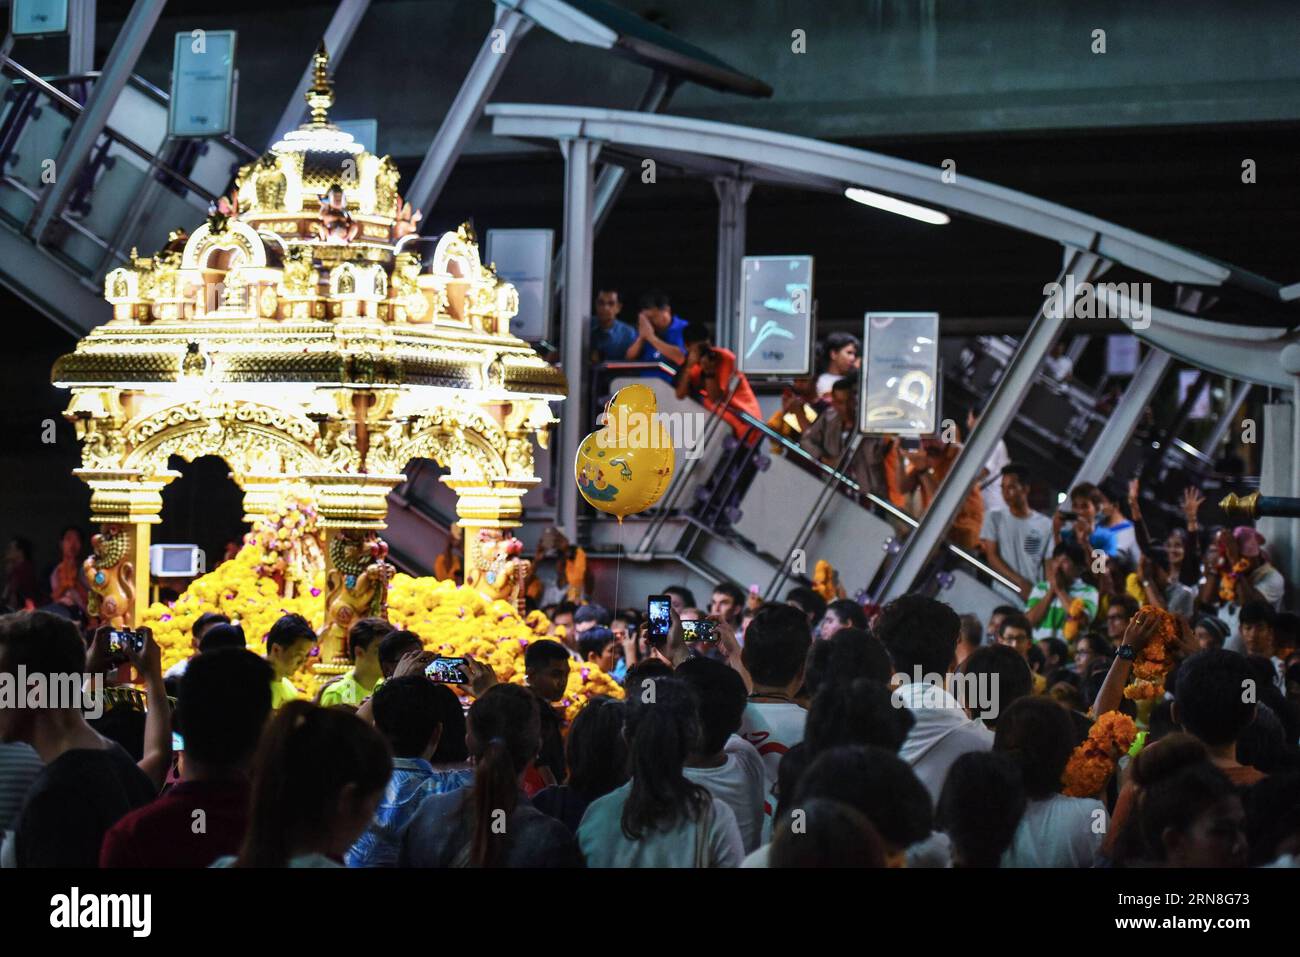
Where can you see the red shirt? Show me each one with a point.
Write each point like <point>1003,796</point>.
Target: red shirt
<point>162,833</point>
<point>743,399</point>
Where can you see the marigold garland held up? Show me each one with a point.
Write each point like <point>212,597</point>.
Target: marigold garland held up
<point>1156,659</point>
<point>1095,760</point>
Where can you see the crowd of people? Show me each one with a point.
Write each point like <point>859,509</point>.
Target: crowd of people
<point>805,734</point>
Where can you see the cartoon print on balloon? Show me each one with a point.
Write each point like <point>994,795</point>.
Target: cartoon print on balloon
<point>625,466</point>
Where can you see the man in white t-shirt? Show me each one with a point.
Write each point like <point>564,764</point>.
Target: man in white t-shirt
<point>776,646</point>
<point>725,763</point>
<point>1016,539</point>
<point>920,635</point>
<point>990,477</point>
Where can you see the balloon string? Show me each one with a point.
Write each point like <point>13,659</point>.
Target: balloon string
<point>618,565</point>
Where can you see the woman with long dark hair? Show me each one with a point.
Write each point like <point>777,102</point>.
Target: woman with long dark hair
<point>660,818</point>
<point>839,355</point>
<point>596,756</point>
<point>492,824</point>
<point>317,778</point>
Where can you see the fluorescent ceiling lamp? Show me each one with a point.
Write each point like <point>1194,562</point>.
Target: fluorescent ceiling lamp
<point>891,205</point>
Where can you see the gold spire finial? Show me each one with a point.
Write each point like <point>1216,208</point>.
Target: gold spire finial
<point>320,95</point>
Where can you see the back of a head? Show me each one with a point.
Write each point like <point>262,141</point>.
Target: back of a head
<point>288,630</point>
<point>972,630</point>
<point>505,734</point>
<point>662,729</point>
<point>1039,735</point>
<point>1178,783</point>
<point>224,700</point>
<point>980,807</point>
<point>776,644</point>
<point>862,712</point>
<point>829,834</point>
<point>307,757</point>
<point>694,332</point>
<point>394,645</point>
<point>812,603</point>
<point>595,750</point>
<point>849,654</point>
<point>365,633</point>
<point>42,643</point>
<point>647,669</point>
<point>1273,816</point>
<point>722,699</point>
<point>1211,699</point>
<point>918,632</point>
<point>850,612</point>
<point>222,637</point>
<point>593,613</point>
<point>877,783</point>
<point>406,713</point>
<point>1003,673</point>
<point>451,715</point>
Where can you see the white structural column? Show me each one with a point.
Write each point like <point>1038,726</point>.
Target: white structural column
<point>81,36</point>
<point>733,197</point>
<point>1119,427</point>
<point>579,161</point>
<point>901,575</point>
<point>484,74</point>
<point>347,16</point>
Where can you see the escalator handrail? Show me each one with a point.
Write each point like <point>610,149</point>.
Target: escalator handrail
<point>69,104</point>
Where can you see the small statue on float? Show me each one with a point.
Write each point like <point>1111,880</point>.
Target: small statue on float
<point>336,224</point>
<point>356,587</point>
<point>497,570</point>
<point>111,577</point>
<point>407,220</point>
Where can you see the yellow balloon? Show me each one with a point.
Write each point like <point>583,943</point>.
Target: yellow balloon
<point>625,466</point>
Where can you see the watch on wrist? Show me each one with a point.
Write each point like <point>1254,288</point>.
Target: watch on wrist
<point>1126,652</point>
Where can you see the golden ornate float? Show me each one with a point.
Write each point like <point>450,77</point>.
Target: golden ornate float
<point>305,335</point>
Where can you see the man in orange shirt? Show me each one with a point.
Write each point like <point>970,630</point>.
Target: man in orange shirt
<point>710,369</point>
<point>926,470</point>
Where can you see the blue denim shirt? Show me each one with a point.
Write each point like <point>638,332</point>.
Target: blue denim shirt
<point>413,780</point>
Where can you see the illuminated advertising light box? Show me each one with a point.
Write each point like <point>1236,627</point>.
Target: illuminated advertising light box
<point>523,257</point>
<point>776,327</point>
<point>203,84</point>
<point>900,373</point>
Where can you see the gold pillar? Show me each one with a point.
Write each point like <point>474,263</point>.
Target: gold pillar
<point>262,494</point>
<point>483,505</point>
<point>126,503</point>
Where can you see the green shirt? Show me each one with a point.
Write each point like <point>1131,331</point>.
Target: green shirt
<point>282,690</point>
<point>1053,622</point>
<point>347,690</point>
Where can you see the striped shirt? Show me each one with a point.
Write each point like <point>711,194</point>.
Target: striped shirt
<point>19,765</point>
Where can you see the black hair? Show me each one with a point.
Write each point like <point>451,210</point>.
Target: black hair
<point>506,726</point>
<point>42,643</point>
<point>1086,490</point>
<point>832,834</point>
<point>685,594</point>
<point>789,772</point>
<point>595,750</point>
<point>365,633</point>
<point>542,652</point>
<point>1016,620</point>
<point>848,654</point>
<point>288,630</point>
<point>876,782</point>
<point>1097,645</point>
<point>307,756</point>
<point>222,637</point>
<point>972,630</point>
<point>1055,646</point>
<point>1008,673</point>
<point>1004,610</point>
<point>1262,744</point>
<point>1160,724</point>
<point>850,612</point>
<point>654,299</point>
<point>597,613</point>
<point>776,644</point>
<point>834,343</point>
<point>857,712</point>
<point>722,697</point>
<point>1019,470</point>
<point>1074,552</point>
<point>594,641</point>
<point>919,632</point>
<point>1210,699</point>
<point>1157,556</point>
<point>647,669</point>
<point>452,748</point>
<point>846,384</point>
<point>406,713</point>
<point>1036,659</point>
<point>1038,734</point>
<point>813,604</point>
<point>1286,629</point>
<point>224,699</point>
<point>1257,612</point>
<point>661,733</point>
<point>1272,815</point>
<point>394,645</point>
<point>1130,604</point>
<point>732,591</point>
<point>696,332</point>
<point>980,807</point>
<point>1177,783</point>
<point>207,620</point>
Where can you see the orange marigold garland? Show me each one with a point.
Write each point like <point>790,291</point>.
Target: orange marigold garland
<point>1094,761</point>
<point>1156,659</point>
<point>1228,580</point>
<point>1077,612</point>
